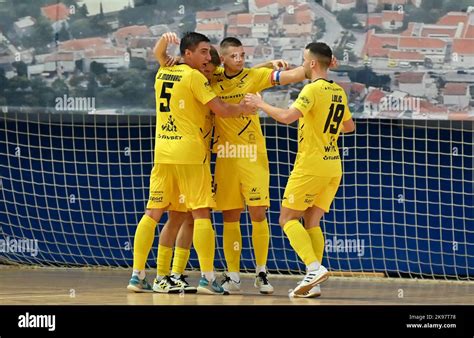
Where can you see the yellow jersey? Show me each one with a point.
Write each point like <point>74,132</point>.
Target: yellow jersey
<point>324,107</point>
<point>243,130</point>
<point>181,96</point>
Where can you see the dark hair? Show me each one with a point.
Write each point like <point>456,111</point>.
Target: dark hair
<point>191,40</point>
<point>321,51</point>
<point>230,42</point>
<point>215,58</point>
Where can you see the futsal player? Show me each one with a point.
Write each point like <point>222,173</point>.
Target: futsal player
<point>323,114</point>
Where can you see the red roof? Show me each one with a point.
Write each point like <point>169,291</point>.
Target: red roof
<point>455,89</point>
<point>82,44</point>
<point>453,18</point>
<point>261,18</point>
<point>469,32</point>
<point>133,31</point>
<point>409,30</point>
<point>379,45</point>
<point>388,16</point>
<point>202,15</point>
<point>375,96</point>
<point>210,27</point>
<point>264,3</point>
<point>55,12</point>
<point>374,20</point>
<point>428,107</point>
<point>463,46</point>
<point>238,31</point>
<point>244,19</point>
<point>411,77</point>
<point>421,43</point>
<point>397,55</point>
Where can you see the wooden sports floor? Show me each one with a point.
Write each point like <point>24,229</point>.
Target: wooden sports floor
<point>48,286</point>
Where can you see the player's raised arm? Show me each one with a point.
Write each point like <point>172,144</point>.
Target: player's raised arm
<point>286,116</point>
<point>160,48</point>
<point>297,74</point>
<point>224,109</point>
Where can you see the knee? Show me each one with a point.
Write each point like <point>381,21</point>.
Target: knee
<point>257,214</point>
<point>283,220</point>
<point>154,213</point>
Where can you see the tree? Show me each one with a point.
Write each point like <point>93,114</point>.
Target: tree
<point>369,78</point>
<point>42,34</point>
<point>21,68</point>
<point>98,68</point>
<point>63,34</point>
<point>347,19</point>
<point>137,63</point>
<point>60,87</point>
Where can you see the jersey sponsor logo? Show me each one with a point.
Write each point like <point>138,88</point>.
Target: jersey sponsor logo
<point>331,147</point>
<point>255,194</point>
<point>331,158</point>
<point>156,196</point>
<point>169,125</point>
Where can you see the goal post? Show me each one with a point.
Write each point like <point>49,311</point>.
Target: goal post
<point>73,188</point>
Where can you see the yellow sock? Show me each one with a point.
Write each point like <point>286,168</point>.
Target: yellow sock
<point>164,260</point>
<point>317,238</point>
<point>180,260</point>
<point>300,241</point>
<point>204,243</point>
<point>144,236</point>
<point>260,241</point>
<point>232,245</point>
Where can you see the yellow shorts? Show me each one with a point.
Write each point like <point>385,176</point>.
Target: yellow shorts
<point>305,191</point>
<point>181,187</point>
<point>240,181</point>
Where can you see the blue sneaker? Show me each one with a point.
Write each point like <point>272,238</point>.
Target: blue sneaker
<point>137,285</point>
<point>207,288</point>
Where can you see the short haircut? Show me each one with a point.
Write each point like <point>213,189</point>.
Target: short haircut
<point>230,42</point>
<point>215,58</point>
<point>191,40</point>
<point>321,51</point>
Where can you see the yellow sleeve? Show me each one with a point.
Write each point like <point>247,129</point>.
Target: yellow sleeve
<point>261,78</point>
<point>201,88</point>
<point>305,100</point>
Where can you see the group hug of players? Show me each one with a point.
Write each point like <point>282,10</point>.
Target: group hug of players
<point>208,99</point>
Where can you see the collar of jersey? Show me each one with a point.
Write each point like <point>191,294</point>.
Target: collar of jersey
<point>320,78</point>
<point>231,77</point>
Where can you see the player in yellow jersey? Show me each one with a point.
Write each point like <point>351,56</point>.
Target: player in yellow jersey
<point>323,114</point>
<point>183,99</point>
<point>179,219</point>
<point>240,147</point>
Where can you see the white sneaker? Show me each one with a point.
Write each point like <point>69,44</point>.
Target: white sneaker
<point>313,293</point>
<point>311,279</point>
<point>262,283</point>
<point>230,285</point>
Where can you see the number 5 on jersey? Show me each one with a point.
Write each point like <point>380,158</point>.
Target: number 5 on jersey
<point>165,95</point>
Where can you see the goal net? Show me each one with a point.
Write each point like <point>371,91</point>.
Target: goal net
<point>73,188</point>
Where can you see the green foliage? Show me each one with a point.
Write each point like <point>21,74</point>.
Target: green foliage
<point>347,19</point>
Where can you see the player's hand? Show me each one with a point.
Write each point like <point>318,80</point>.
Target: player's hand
<point>253,99</point>
<point>333,64</point>
<point>171,37</point>
<point>172,60</point>
<point>247,109</point>
<point>280,64</point>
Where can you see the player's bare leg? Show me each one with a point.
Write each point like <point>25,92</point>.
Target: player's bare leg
<point>301,243</point>
<point>260,242</point>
